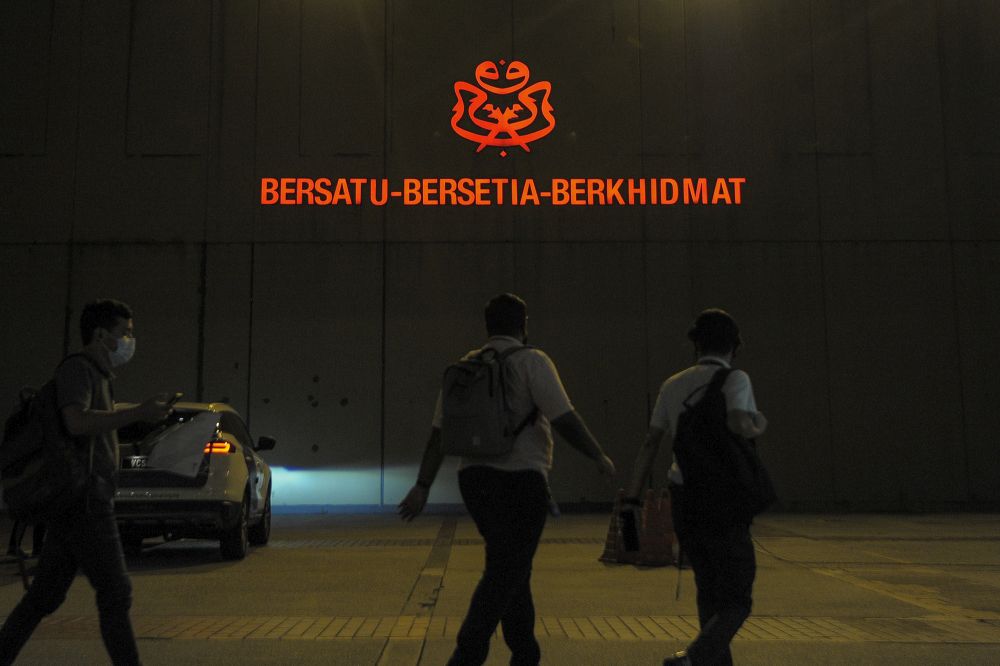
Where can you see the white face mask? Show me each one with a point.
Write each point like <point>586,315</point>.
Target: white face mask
<point>124,352</point>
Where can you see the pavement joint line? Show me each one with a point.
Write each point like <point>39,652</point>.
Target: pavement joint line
<point>913,629</point>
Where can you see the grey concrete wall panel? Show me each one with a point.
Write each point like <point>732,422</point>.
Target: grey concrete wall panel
<point>892,355</point>
<point>169,77</point>
<point>751,115</point>
<point>905,78</point>
<point>779,197</point>
<point>429,52</point>
<point>970,56</point>
<point>669,313</point>
<point>663,88</point>
<point>292,106</point>
<point>748,77</point>
<point>343,78</point>
<point>39,118</point>
<point>435,295</point>
<point>121,198</point>
<point>278,79</point>
<point>160,283</point>
<point>911,199</point>
<point>233,187</point>
<point>227,332</point>
<point>25,45</point>
<point>974,196</point>
<point>907,121</point>
<point>588,51</point>
<point>585,303</point>
<point>847,193</point>
<point>841,77</point>
<point>597,108</point>
<point>315,358</point>
<point>771,289</point>
<point>977,268</point>
<point>33,338</point>
<point>666,223</point>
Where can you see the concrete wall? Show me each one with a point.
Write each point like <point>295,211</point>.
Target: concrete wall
<point>863,265</point>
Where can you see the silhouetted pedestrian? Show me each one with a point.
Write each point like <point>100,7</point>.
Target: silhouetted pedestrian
<point>713,534</point>
<point>507,494</point>
<point>86,537</point>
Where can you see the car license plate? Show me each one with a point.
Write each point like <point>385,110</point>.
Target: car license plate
<point>134,462</point>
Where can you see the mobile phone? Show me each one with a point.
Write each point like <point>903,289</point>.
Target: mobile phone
<point>174,398</point>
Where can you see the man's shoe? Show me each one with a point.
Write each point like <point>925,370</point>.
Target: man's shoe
<point>679,659</point>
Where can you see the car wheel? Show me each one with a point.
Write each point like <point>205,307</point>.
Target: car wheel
<point>234,542</point>
<point>260,533</point>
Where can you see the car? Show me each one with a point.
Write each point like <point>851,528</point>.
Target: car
<point>196,474</point>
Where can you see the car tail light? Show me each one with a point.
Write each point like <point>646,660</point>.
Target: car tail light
<point>219,446</point>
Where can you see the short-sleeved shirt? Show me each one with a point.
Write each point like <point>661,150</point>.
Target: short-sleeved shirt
<point>531,381</point>
<point>87,382</point>
<point>691,383</point>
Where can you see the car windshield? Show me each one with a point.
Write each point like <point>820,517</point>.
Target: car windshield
<point>175,444</point>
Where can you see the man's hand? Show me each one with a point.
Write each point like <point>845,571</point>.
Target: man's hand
<point>156,408</point>
<point>605,466</point>
<point>413,503</point>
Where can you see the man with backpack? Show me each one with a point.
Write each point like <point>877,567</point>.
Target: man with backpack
<point>495,409</point>
<point>85,536</point>
<point>700,409</point>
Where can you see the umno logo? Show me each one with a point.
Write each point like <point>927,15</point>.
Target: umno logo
<point>489,114</point>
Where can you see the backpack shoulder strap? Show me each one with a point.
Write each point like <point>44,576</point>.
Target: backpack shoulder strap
<point>507,353</point>
<point>715,384</point>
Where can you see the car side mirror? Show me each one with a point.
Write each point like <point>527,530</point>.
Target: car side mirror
<point>265,443</point>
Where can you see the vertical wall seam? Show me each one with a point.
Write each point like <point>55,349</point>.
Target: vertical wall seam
<point>951,253</point>
<point>128,77</point>
<point>256,215</point>
<point>71,246</point>
<point>386,142</point>
<point>831,447</point>
<point>643,235</point>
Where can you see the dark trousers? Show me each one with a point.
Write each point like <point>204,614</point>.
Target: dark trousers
<point>509,509</point>
<point>87,541</point>
<point>722,556</point>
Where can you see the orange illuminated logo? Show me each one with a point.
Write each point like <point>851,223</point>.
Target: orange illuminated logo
<point>484,115</point>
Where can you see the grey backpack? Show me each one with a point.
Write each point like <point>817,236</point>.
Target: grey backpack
<point>476,421</point>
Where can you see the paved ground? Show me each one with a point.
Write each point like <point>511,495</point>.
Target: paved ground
<point>336,589</point>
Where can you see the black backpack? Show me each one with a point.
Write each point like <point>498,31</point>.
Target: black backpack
<point>724,479</point>
<point>42,471</point>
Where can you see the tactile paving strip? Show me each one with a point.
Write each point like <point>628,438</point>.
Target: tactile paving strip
<point>603,628</point>
<point>387,543</point>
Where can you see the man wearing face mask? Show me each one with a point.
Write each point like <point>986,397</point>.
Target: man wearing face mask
<point>86,537</point>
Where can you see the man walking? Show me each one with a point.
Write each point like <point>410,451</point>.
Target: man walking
<point>86,537</point>
<point>715,537</point>
<point>507,495</point>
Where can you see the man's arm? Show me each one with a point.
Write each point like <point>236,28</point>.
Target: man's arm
<point>414,502</point>
<point>644,462</point>
<point>747,424</point>
<point>80,421</point>
<point>572,428</point>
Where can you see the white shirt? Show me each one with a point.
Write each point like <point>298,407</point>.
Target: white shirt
<point>694,380</point>
<point>531,380</point>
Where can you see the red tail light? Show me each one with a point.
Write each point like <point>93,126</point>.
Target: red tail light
<point>219,446</point>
